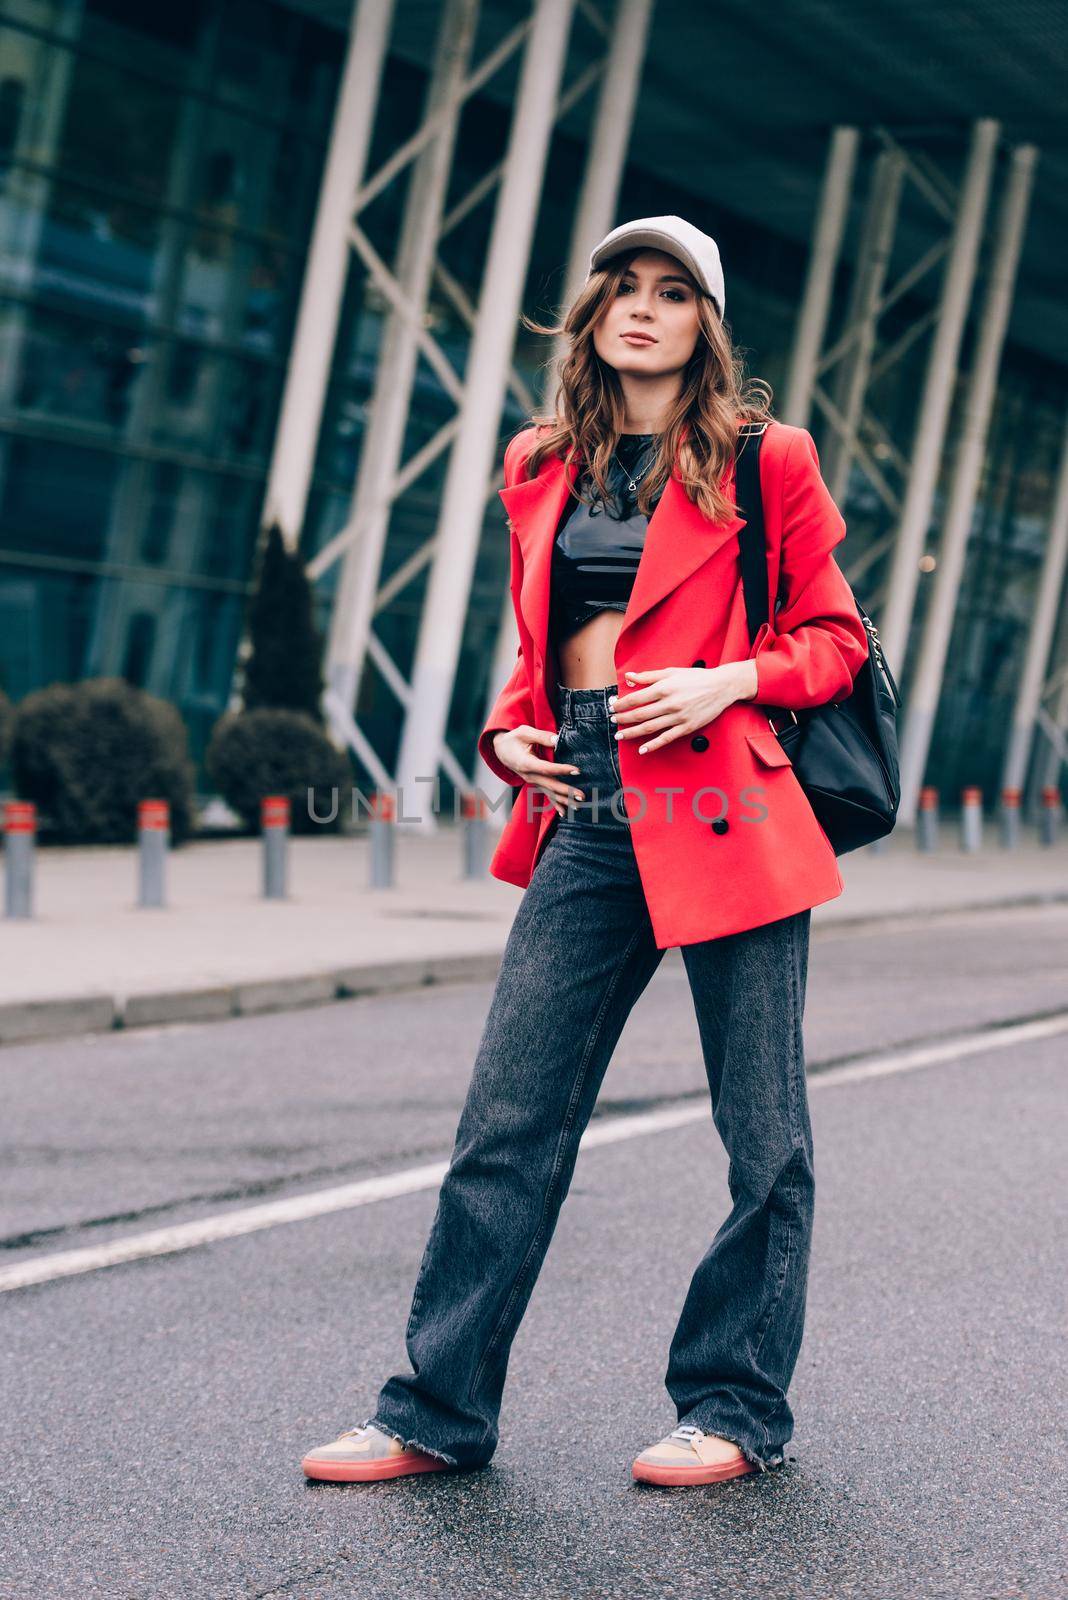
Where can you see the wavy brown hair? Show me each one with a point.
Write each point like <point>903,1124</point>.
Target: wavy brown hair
<point>701,431</point>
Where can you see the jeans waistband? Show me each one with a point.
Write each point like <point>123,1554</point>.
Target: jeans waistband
<point>585,703</point>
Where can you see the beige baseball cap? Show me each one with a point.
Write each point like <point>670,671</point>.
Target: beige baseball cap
<point>697,251</point>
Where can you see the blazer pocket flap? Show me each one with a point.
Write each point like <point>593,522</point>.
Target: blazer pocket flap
<point>766,748</point>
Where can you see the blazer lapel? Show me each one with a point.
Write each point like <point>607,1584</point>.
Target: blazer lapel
<point>678,540</point>
<point>534,509</point>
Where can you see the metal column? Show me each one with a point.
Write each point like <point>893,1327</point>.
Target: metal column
<point>926,686</point>
<point>463,505</point>
<point>1040,640</point>
<point>819,283</point>
<point>609,141</point>
<point>372,502</point>
<point>605,162</point>
<point>873,261</point>
<point>1054,723</point>
<point>312,347</point>
<point>933,416</point>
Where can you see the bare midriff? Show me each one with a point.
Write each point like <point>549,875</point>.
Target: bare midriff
<point>587,657</point>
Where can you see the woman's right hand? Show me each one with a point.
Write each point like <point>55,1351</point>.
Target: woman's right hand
<point>515,748</point>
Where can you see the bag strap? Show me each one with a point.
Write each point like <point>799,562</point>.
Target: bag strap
<point>752,539</point>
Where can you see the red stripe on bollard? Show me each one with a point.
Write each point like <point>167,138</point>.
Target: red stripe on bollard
<point>1051,795</point>
<point>275,811</point>
<point>474,805</point>
<point>153,814</point>
<point>928,799</point>
<point>383,805</point>
<point>971,796</point>
<point>1010,798</point>
<point>20,816</point>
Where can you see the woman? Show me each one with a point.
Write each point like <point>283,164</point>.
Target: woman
<point>637,693</point>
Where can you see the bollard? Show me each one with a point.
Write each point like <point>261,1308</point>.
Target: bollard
<point>1010,818</point>
<point>1049,822</point>
<point>383,816</point>
<point>927,820</point>
<point>274,824</point>
<point>971,818</point>
<point>154,833</point>
<point>20,833</point>
<point>476,836</point>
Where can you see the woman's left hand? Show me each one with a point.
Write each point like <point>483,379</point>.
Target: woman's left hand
<point>668,703</point>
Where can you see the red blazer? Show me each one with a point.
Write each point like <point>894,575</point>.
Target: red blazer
<point>687,607</point>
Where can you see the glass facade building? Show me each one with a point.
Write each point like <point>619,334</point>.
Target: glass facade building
<point>158,174</point>
<point>159,171</point>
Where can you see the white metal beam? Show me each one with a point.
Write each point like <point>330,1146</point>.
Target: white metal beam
<point>372,501</point>
<point>831,218</point>
<point>873,261</point>
<point>594,215</point>
<point>933,417</point>
<point>312,347</point>
<point>1039,642</point>
<point>471,462</point>
<point>606,155</point>
<point>926,687</point>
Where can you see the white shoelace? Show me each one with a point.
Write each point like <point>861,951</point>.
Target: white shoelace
<point>688,1432</point>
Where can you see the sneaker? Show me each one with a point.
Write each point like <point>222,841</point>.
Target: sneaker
<point>362,1454</point>
<point>689,1455</point>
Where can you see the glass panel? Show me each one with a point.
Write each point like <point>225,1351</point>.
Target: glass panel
<point>230,524</point>
<point>44,627</point>
<point>98,254</point>
<point>157,39</point>
<point>120,132</point>
<point>166,479</point>
<point>56,498</point>
<point>235,291</point>
<point>140,637</point>
<point>70,367</point>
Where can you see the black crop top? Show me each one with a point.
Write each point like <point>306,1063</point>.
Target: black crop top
<point>598,546</point>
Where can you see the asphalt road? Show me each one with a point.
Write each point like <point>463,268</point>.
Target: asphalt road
<point>155,1412</point>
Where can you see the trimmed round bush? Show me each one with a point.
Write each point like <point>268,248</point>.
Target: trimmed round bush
<point>252,754</point>
<point>86,753</point>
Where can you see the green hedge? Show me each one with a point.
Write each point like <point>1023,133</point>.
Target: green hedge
<point>252,754</point>
<point>86,753</point>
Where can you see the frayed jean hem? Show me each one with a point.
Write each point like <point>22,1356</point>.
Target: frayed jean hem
<point>765,1463</point>
<point>410,1444</point>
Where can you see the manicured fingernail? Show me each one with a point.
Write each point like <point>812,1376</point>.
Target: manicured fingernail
<point>619,735</point>
<point>613,719</point>
<point>642,748</point>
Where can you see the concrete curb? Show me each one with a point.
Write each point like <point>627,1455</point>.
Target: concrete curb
<point>25,1021</point>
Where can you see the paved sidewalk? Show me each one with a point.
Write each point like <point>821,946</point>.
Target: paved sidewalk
<point>92,959</point>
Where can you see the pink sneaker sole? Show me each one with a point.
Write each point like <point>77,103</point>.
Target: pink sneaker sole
<point>401,1466</point>
<point>676,1476</point>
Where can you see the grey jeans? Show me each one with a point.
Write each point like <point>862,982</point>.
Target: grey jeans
<point>579,954</point>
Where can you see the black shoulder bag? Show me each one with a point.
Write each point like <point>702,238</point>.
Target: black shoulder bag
<point>844,754</point>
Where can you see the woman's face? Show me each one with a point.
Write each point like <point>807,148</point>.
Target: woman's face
<point>651,327</point>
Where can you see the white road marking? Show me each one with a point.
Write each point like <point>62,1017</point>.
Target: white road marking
<point>271,1214</point>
